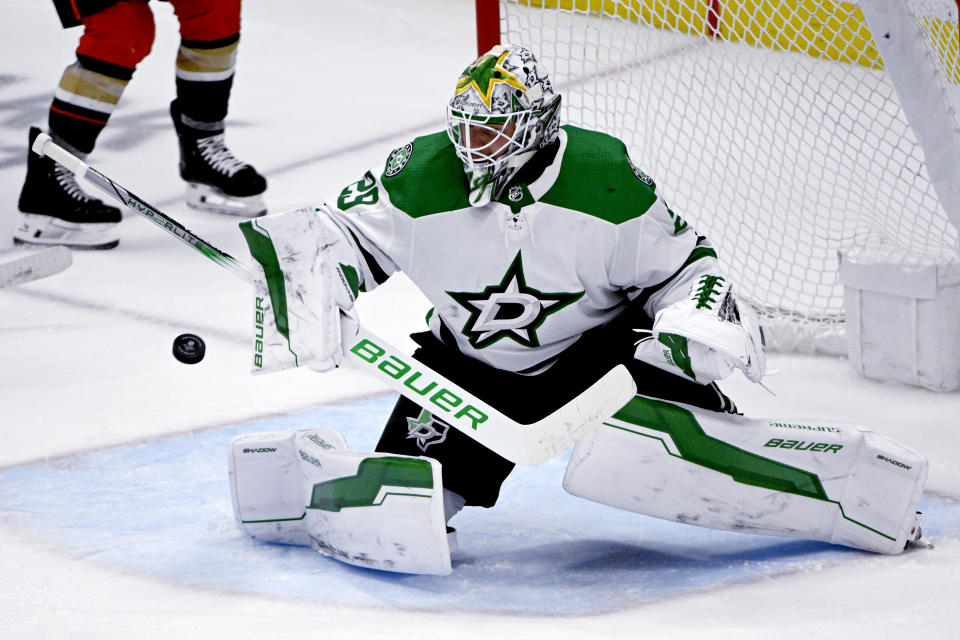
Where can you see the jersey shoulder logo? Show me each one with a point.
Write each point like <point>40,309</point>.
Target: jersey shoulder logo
<point>510,309</point>
<point>398,159</point>
<point>641,176</point>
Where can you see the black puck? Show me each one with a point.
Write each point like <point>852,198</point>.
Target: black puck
<point>188,348</point>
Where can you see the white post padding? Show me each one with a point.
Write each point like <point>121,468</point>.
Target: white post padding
<point>822,481</point>
<point>902,316</point>
<point>375,510</point>
<point>922,88</point>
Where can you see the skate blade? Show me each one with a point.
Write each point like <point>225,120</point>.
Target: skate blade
<point>35,229</point>
<point>207,198</point>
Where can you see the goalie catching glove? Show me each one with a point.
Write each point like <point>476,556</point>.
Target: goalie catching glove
<point>304,289</point>
<point>706,335</point>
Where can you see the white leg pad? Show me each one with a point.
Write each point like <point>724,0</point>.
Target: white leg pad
<point>821,481</point>
<point>374,510</point>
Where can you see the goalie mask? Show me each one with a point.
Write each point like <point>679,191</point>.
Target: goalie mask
<point>503,111</point>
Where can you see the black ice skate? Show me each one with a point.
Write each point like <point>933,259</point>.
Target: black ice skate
<point>54,209</point>
<point>217,180</point>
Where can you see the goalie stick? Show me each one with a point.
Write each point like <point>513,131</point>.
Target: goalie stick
<point>520,443</point>
<point>34,266</point>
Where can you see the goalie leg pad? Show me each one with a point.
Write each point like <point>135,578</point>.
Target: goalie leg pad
<point>821,481</point>
<point>368,509</point>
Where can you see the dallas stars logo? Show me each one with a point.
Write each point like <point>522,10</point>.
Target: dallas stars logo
<point>426,430</point>
<point>510,309</point>
<point>484,75</point>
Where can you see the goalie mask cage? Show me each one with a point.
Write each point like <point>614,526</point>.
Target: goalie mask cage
<point>785,130</point>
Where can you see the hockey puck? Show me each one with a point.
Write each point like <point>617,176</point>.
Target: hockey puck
<point>188,348</point>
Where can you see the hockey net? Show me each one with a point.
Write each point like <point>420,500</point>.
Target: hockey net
<point>774,126</point>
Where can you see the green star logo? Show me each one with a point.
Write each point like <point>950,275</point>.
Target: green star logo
<point>510,309</point>
<point>485,74</point>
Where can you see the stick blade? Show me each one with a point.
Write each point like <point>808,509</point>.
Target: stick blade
<point>562,428</point>
<point>34,266</point>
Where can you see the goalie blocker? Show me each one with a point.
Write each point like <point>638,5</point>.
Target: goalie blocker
<point>821,481</point>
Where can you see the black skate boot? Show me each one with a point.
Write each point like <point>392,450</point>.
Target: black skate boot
<point>54,209</point>
<point>217,180</point>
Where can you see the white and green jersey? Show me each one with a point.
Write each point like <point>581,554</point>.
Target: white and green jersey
<point>518,280</point>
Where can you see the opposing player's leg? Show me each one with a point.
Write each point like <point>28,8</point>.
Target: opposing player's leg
<point>368,509</point>
<point>809,479</point>
<point>206,60</point>
<point>53,207</point>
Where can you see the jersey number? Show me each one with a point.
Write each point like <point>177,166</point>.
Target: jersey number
<point>363,191</point>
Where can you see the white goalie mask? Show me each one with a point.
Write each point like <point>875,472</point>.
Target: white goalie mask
<point>503,111</point>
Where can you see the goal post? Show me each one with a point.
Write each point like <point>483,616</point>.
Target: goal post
<point>488,25</point>
<point>788,131</point>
